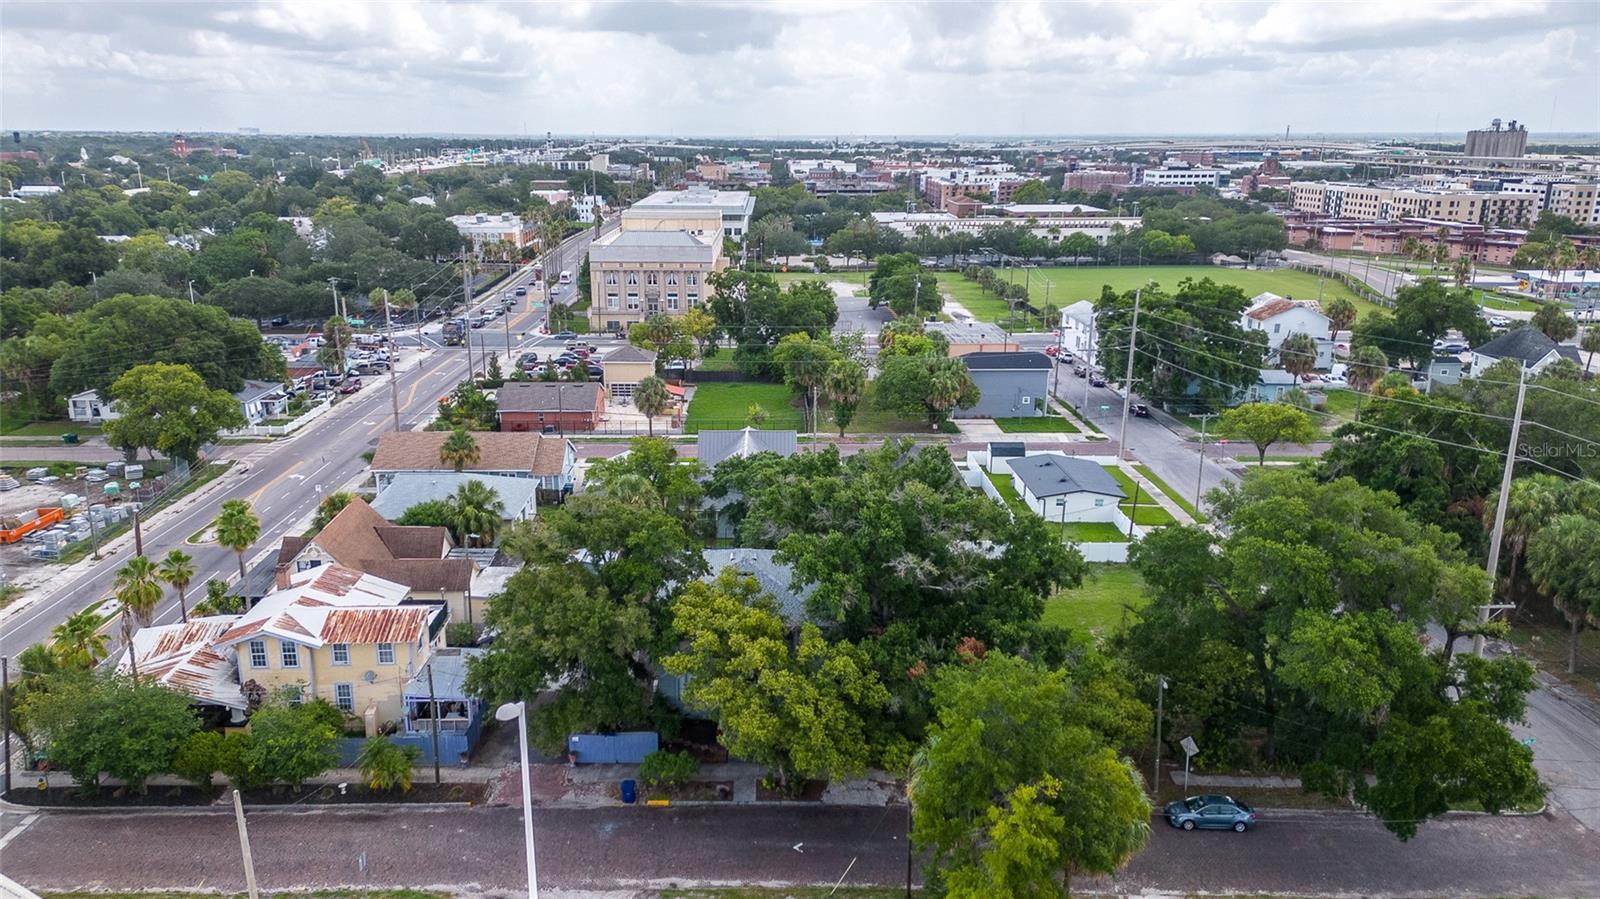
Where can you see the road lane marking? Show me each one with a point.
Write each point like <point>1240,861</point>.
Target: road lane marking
<point>17,831</point>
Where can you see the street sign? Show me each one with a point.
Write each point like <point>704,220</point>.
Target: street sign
<point>1189,746</point>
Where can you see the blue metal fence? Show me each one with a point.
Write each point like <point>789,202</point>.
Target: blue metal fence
<point>613,749</point>
<point>454,746</point>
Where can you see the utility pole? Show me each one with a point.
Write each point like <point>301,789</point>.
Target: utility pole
<point>5,718</point>
<point>244,848</point>
<point>1498,534</point>
<point>1127,381</point>
<point>1199,479</point>
<point>466,315</point>
<point>394,353</point>
<point>338,343</point>
<point>433,711</point>
<point>1135,513</point>
<point>1161,694</point>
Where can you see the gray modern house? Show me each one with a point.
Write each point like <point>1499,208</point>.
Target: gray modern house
<point>1010,385</point>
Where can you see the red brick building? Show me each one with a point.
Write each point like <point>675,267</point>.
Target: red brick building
<point>538,405</point>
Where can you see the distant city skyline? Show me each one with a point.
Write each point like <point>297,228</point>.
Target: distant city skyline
<point>803,70</point>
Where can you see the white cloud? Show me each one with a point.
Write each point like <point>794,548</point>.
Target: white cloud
<point>796,67</point>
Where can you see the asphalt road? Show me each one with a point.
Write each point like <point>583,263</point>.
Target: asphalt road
<point>1377,276</point>
<point>283,480</point>
<point>634,848</point>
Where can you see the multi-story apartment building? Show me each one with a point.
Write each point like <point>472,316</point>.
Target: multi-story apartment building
<point>1365,202</point>
<point>733,207</point>
<point>658,262</point>
<point>1577,201</point>
<point>1094,180</point>
<point>1052,227</point>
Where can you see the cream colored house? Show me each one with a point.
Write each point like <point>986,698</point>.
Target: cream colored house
<point>340,635</point>
<point>623,368</point>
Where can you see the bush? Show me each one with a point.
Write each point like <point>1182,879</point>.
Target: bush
<point>199,757</point>
<point>668,769</point>
<point>385,765</point>
<point>462,633</point>
<point>292,743</point>
<point>112,724</point>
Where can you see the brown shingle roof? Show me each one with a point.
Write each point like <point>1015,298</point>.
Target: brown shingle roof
<point>425,574</point>
<point>414,541</point>
<point>290,547</point>
<point>497,451</point>
<point>538,396</point>
<point>352,535</point>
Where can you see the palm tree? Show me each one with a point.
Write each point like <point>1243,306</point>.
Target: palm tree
<point>477,511</point>
<point>138,589</point>
<point>1366,368</point>
<point>1533,502</point>
<point>238,527</point>
<point>177,569</point>
<point>845,383</point>
<point>78,642</point>
<point>652,399</point>
<point>1461,270</point>
<point>1411,248</point>
<point>459,450</point>
<point>1590,344</point>
<point>1298,354</point>
<point>1341,314</point>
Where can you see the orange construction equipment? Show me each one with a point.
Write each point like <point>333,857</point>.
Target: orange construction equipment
<point>14,528</point>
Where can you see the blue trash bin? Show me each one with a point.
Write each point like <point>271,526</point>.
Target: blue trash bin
<point>628,791</point>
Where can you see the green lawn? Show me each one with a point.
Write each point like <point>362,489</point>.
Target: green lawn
<point>725,406</point>
<point>722,361</point>
<point>1037,424</point>
<point>787,278</point>
<point>872,420</point>
<point>1166,488</point>
<point>14,428</point>
<point>1148,513</point>
<point>1067,285</point>
<point>1507,301</point>
<point>1102,603</point>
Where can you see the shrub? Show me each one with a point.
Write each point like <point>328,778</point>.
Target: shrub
<point>462,633</point>
<point>199,757</point>
<point>668,769</point>
<point>292,743</point>
<point>385,765</point>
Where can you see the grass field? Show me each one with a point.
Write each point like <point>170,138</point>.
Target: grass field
<point>1101,605</point>
<point>872,420</point>
<point>1037,424</point>
<point>13,428</point>
<point>726,406</point>
<point>722,361</point>
<point>1067,285</point>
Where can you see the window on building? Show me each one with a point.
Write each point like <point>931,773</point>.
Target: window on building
<point>672,279</point>
<point>633,302</point>
<point>611,301</point>
<point>344,696</point>
<point>691,278</point>
<point>672,302</point>
<point>258,653</point>
<point>694,297</point>
<point>385,653</point>
<point>289,654</point>
<point>633,279</point>
<point>651,279</point>
<point>1099,502</point>
<point>307,564</point>
<point>611,279</point>
<point>653,306</point>
<point>341,653</point>
<point>295,694</point>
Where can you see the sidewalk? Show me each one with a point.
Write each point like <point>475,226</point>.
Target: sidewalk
<point>598,786</point>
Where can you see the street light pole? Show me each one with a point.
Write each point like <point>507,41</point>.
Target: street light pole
<point>519,711</point>
<point>1127,381</point>
<point>1498,534</point>
<point>1205,419</point>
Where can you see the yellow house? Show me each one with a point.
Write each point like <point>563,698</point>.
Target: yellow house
<point>337,634</point>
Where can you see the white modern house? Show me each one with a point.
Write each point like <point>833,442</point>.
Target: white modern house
<point>88,408</point>
<point>1078,335</point>
<point>1062,488</point>
<point>1278,317</point>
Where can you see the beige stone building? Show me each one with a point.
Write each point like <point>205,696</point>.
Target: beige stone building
<point>656,263</point>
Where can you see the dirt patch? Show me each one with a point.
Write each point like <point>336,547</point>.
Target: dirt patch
<point>697,791</point>
<point>111,797</point>
<point>354,793</point>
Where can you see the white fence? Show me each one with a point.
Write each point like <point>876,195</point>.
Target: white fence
<point>282,430</point>
<point>974,475</point>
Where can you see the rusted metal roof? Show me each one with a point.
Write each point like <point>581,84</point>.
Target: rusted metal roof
<point>396,625</point>
<point>184,657</point>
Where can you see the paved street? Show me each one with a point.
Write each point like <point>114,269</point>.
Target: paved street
<point>283,480</point>
<point>1374,272</point>
<point>623,848</point>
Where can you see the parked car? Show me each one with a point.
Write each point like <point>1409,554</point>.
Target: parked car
<point>350,385</point>
<point>528,360</point>
<point>1498,321</point>
<point>595,371</point>
<point>1211,812</point>
<point>564,335</point>
<point>1081,371</point>
<point>1051,350</point>
<point>1141,410</point>
<point>1097,381</point>
<point>280,321</point>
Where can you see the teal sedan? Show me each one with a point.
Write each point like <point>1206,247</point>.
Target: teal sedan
<point>1211,813</point>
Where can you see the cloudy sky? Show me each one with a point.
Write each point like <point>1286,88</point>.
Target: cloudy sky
<point>789,67</point>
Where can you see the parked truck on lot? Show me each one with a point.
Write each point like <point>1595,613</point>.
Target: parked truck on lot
<point>15,527</point>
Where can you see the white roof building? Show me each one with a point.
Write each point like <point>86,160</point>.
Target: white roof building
<point>735,206</point>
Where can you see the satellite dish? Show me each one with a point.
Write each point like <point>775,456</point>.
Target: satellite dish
<point>369,676</point>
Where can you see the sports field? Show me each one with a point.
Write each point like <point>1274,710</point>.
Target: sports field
<point>1066,285</point>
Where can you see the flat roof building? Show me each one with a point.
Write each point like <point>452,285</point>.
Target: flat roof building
<point>733,207</point>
